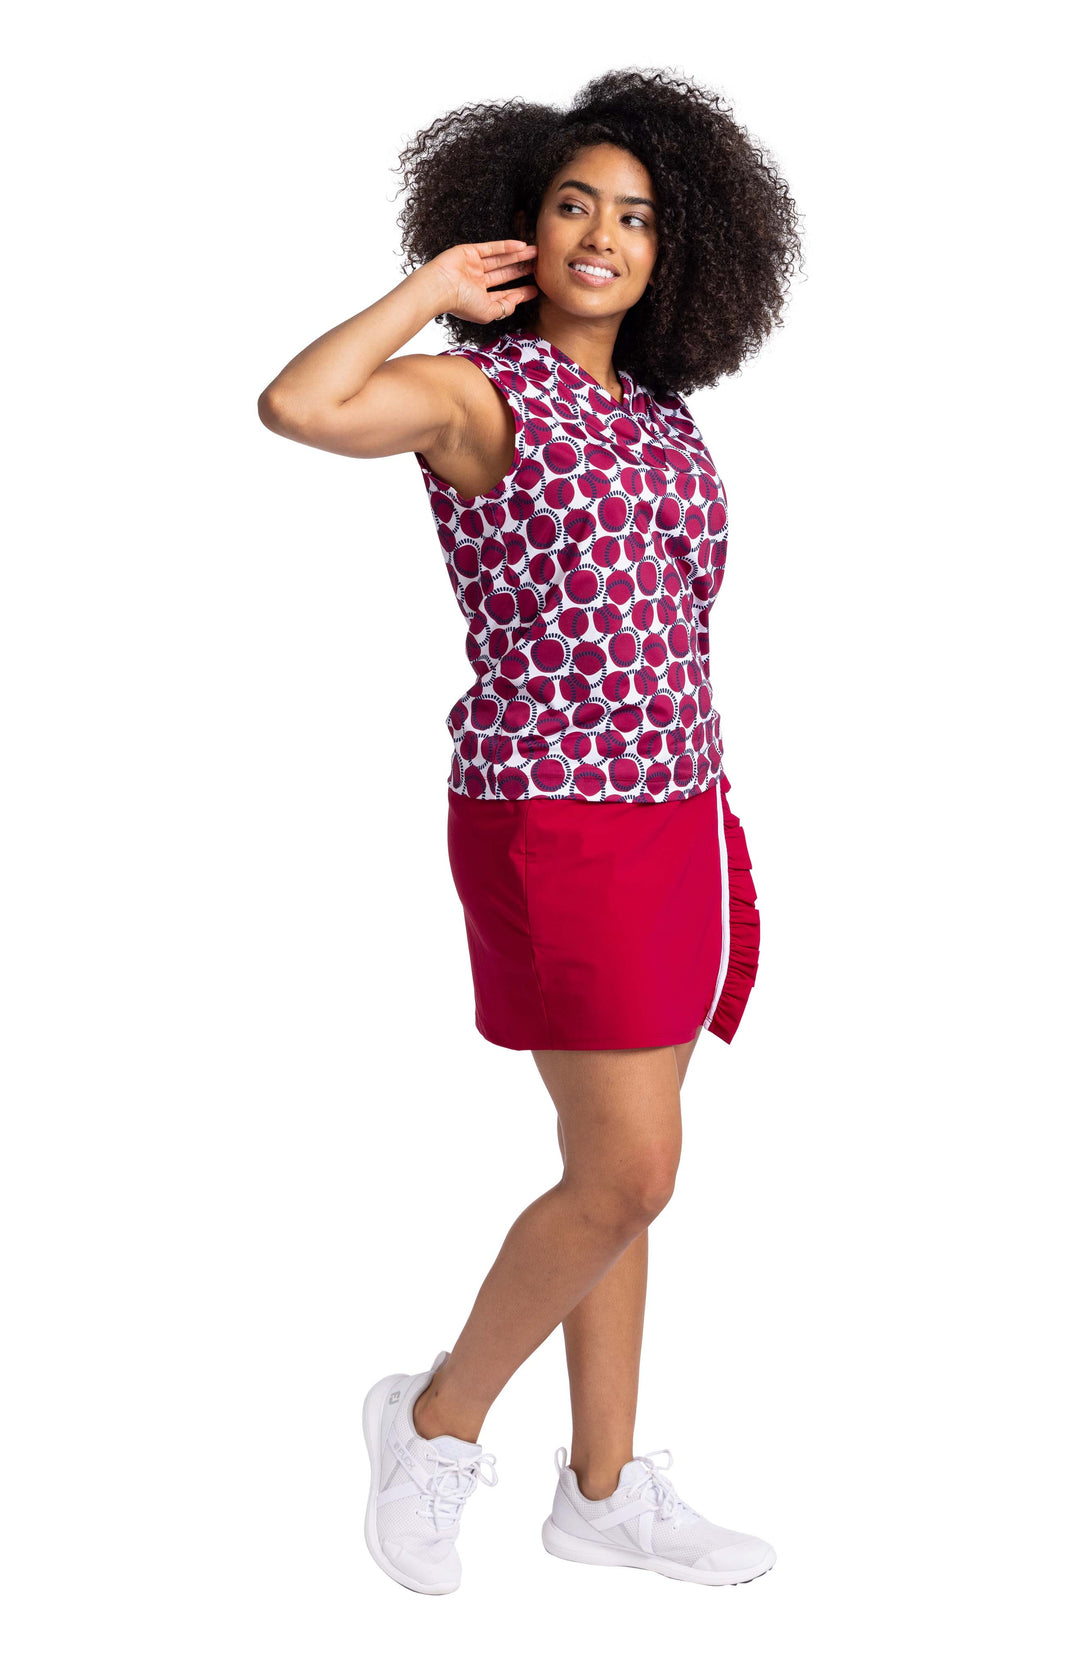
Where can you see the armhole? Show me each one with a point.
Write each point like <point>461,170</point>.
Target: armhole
<point>495,376</point>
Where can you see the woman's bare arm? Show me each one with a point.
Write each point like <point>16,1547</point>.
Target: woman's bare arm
<point>342,394</point>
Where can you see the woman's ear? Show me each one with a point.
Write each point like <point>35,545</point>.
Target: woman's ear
<point>521,228</point>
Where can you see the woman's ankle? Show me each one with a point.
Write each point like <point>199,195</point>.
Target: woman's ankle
<point>435,1413</point>
<point>598,1478</point>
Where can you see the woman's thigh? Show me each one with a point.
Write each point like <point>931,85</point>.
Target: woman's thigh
<point>619,1110</point>
<point>683,1054</point>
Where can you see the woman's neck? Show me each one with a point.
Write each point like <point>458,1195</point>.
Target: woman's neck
<point>590,348</point>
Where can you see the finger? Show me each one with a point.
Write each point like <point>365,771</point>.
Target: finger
<point>493,250</point>
<point>503,273</point>
<point>513,297</point>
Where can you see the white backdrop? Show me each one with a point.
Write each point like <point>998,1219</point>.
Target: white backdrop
<point>255,1153</point>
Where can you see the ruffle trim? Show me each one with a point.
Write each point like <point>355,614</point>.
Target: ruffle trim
<point>745,927</point>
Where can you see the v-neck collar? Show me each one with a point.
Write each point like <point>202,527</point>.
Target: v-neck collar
<point>556,352</point>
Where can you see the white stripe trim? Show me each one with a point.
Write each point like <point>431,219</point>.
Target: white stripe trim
<point>398,1491</point>
<point>620,1514</point>
<point>725,908</point>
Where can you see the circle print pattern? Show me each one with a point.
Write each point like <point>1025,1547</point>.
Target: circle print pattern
<point>586,577</point>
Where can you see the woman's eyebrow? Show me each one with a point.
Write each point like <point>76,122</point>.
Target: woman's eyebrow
<point>591,190</point>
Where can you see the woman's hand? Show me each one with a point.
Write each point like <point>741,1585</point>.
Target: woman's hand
<point>469,268</point>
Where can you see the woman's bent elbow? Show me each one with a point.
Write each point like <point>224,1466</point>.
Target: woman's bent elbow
<point>275,414</point>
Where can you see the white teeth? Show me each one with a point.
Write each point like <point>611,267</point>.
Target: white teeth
<point>593,270</point>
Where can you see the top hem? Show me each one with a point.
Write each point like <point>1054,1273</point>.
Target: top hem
<point>642,799</point>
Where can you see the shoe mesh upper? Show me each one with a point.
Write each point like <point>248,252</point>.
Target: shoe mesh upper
<point>408,1521</point>
<point>684,1542</point>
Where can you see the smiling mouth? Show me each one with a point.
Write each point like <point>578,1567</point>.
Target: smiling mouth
<point>596,273</point>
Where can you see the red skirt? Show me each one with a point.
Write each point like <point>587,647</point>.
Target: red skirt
<point>605,926</point>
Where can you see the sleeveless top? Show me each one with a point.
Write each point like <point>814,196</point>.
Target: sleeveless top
<point>586,577</point>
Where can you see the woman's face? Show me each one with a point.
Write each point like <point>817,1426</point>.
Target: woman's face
<point>599,210</point>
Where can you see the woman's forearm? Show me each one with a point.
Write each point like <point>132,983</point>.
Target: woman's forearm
<point>336,366</point>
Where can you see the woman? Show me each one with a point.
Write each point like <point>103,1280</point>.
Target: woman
<point>605,882</point>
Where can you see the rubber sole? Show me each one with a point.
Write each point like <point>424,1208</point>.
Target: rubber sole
<point>377,1416</point>
<point>577,1551</point>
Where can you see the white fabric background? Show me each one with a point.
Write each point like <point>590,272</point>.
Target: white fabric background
<point>255,1154</point>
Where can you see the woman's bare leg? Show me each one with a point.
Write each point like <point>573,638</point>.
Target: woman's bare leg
<point>620,1117</point>
<point>602,1336</point>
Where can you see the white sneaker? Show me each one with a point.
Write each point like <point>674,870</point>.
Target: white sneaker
<point>418,1486</point>
<point>645,1525</point>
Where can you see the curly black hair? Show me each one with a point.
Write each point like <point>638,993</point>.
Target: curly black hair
<point>728,227</point>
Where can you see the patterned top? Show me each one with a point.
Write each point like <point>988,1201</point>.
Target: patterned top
<point>586,577</point>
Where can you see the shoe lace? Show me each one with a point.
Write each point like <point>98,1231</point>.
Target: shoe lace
<point>666,1503</point>
<point>451,1484</point>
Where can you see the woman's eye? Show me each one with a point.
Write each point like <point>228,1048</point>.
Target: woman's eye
<point>638,217</point>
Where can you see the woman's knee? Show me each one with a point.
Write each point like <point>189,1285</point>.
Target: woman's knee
<point>620,1130</point>
<point>630,1190</point>
<point>651,1181</point>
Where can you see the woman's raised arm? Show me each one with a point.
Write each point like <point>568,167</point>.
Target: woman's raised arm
<point>347,393</point>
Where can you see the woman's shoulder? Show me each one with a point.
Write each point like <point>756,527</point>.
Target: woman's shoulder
<point>680,417</point>
<point>515,363</point>
<point>505,349</point>
<point>672,406</point>
<point>682,424</point>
